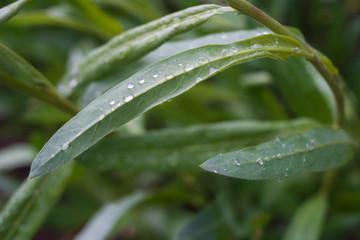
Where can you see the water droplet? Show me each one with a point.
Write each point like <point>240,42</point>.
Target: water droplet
<point>279,155</point>
<point>263,168</point>
<point>225,169</point>
<point>101,117</point>
<point>296,50</point>
<point>212,71</point>
<point>130,86</point>
<point>169,99</point>
<point>215,171</point>
<point>287,169</point>
<point>188,67</point>
<point>285,174</point>
<point>312,141</point>
<point>283,145</point>
<point>266,158</point>
<point>128,97</point>
<point>234,49</point>
<point>203,60</point>
<point>53,155</point>
<point>224,36</point>
<point>307,145</point>
<point>64,145</point>
<point>224,52</point>
<point>277,139</point>
<point>111,102</point>
<point>155,75</point>
<point>198,79</point>
<point>304,160</point>
<point>236,163</point>
<point>180,64</point>
<point>168,76</point>
<point>276,41</point>
<point>279,179</point>
<point>260,161</point>
<point>142,81</point>
<point>256,45</point>
<point>220,155</point>
<point>73,83</point>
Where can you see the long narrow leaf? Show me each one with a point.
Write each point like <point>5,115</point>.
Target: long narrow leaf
<point>183,148</point>
<point>11,10</point>
<point>106,219</point>
<point>28,207</point>
<point>150,87</point>
<point>135,43</point>
<point>308,220</point>
<point>316,150</point>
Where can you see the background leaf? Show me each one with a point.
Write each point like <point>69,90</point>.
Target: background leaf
<point>106,219</point>
<point>183,148</point>
<point>11,10</point>
<point>150,87</point>
<point>28,207</point>
<point>314,150</point>
<point>308,220</point>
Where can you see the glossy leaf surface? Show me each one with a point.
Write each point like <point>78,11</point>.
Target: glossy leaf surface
<point>318,149</point>
<point>28,207</point>
<point>150,87</point>
<point>183,148</point>
<point>308,220</point>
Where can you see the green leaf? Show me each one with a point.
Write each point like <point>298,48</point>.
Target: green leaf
<point>183,148</point>
<point>308,220</point>
<point>106,219</point>
<point>11,10</point>
<point>318,149</point>
<point>296,79</point>
<point>153,85</point>
<point>136,42</point>
<point>28,207</point>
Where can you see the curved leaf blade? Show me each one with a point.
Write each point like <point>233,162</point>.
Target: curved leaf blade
<point>28,207</point>
<point>183,148</point>
<point>308,220</point>
<point>105,220</point>
<point>316,150</point>
<point>135,43</point>
<point>11,10</point>
<point>150,87</point>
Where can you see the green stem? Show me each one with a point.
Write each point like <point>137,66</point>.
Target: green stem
<point>332,79</point>
<point>40,93</point>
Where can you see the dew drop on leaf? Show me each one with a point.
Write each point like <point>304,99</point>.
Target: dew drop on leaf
<point>142,81</point>
<point>276,41</point>
<point>203,60</point>
<point>198,79</point>
<point>130,86</point>
<point>111,102</point>
<point>128,97</point>
<point>212,71</point>
<point>64,145</point>
<point>188,67</point>
<point>155,75</point>
<point>260,161</point>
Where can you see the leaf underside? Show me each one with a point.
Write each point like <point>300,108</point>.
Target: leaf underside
<point>318,149</point>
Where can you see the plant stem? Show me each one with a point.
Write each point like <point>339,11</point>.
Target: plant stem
<point>40,93</point>
<point>332,79</point>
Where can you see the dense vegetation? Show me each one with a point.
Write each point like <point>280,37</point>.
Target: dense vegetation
<point>146,119</point>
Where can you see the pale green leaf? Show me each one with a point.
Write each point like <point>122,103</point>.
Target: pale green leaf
<point>308,220</point>
<point>318,149</point>
<point>183,148</point>
<point>16,155</point>
<point>150,87</point>
<point>136,42</point>
<point>105,220</point>
<point>11,10</point>
<point>28,207</point>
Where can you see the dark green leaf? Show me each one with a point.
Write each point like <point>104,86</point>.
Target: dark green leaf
<point>28,207</point>
<point>183,148</point>
<point>153,85</point>
<point>308,220</point>
<point>318,149</point>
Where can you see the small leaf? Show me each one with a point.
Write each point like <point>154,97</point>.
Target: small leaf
<point>150,87</point>
<point>11,10</point>
<point>106,219</point>
<point>183,148</point>
<point>308,220</point>
<point>136,42</point>
<point>28,207</point>
<point>316,150</point>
